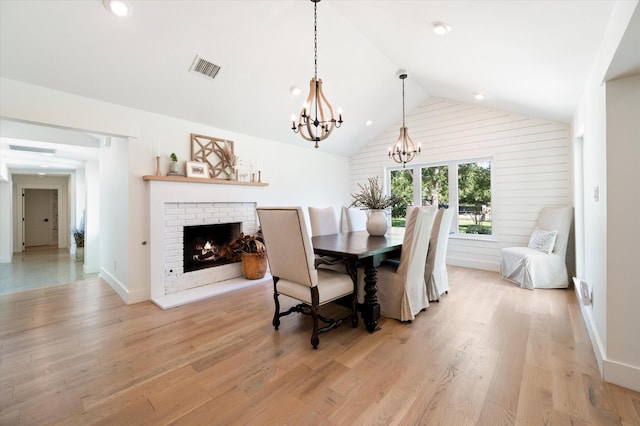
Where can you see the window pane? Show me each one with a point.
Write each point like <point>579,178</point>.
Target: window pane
<point>401,186</point>
<point>474,198</point>
<point>435,186</point>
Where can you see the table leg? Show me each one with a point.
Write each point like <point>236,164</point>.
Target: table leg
<point>370,308</point>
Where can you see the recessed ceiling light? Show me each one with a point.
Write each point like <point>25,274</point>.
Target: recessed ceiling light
<point>441,28</point>
<point>368,123</point>
<point>295,91</point>
<point>120,8</point>
<point>479,96</point>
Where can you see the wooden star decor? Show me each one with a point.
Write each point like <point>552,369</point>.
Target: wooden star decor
<point>217,153</point>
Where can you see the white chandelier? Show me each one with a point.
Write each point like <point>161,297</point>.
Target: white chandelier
<point>404,150</point>
<point>316,120</point>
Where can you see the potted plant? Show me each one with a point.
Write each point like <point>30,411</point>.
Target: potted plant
<point>78,236</point>
<point>373,198</point>
<point>251,251</point>
<point>174,167</point>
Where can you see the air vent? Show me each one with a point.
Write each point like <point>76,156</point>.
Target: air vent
<point>204,68</point>
<point>32,149</point>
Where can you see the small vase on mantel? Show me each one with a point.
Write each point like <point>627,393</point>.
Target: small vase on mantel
<point>377,223</point>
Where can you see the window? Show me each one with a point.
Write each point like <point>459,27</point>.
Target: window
<point>461,185</point>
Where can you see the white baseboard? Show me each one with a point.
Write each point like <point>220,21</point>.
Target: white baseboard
<point>474,264</point>
<point>116,285</point>
<point>615,372</point>
<point>596,342</point>
<point>5,259</point>
<point>627,376</point>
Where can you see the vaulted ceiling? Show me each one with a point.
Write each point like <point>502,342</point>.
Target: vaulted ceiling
<point>530,57</point>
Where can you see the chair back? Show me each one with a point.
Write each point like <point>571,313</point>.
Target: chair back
<point>356,219</point>
<point>288,244</point>
<point>323,221</point>
<point>557,219</point>
<point>433,244</point>
<point>415,245</point>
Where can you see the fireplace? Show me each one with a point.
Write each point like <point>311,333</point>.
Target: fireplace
<point>204,244</point>
<point>176,278</point>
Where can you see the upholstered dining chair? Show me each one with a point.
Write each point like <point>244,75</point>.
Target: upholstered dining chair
<point>323,221</point>
<point>402,292</point>
<point>542,264</point>
<point>291,261</point>
<point>355,219</point>
<point>435,272</point>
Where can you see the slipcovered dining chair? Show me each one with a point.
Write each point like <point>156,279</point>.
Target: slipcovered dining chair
<point>435,273</point>
<point>291,261</point>
<point>542,264</point>
<point>355,219</point>
<point>402,292</point>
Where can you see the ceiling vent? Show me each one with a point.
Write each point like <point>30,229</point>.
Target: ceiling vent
<point>204,68</point>
<point>32,149</point>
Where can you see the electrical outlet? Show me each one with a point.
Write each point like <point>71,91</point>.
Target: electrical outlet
<point>585,294</point>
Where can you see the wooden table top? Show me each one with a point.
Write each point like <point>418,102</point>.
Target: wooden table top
<point>357,244</point>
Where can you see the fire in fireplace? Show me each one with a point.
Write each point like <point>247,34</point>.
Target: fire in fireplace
<point>202,244</point>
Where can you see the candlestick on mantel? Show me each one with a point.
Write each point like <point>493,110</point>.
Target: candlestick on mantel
<point>158,172</point>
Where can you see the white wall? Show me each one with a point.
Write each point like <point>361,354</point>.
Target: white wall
<point>296,175</point>
<point>607,118</point>
<point>623,234</point>
<point>6,232</point>
<point>531,167</point>
<point>92,222</point>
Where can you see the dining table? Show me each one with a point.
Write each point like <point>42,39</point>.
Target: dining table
<point>359,248</point>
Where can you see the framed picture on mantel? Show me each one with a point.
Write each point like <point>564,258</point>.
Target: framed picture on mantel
<point>197,170</point>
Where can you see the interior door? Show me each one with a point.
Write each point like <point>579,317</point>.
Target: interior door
<point>37,223</point>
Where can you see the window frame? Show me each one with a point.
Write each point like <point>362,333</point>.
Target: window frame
<point>452,166</point>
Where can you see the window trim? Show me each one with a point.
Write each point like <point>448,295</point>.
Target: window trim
<point>452,166</point>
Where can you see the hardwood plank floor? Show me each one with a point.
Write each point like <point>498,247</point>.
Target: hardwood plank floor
<point>489,353</point>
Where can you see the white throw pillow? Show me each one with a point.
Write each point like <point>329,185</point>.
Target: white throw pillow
<point>542,240</point>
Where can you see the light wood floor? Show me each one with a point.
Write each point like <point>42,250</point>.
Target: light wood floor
<point>489,353</point>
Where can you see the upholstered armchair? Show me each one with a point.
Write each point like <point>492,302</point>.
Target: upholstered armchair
<point>542,264</point>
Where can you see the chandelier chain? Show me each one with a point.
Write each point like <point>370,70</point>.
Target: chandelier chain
<point>403,125</point>
<point>315,40</point>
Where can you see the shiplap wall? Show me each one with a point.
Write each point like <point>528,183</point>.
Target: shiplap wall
<point>530,162</point>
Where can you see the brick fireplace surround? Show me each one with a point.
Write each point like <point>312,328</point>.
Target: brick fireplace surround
<point>170,285</point>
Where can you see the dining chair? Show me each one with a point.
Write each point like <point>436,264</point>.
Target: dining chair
<point>355,219</point>
<point>402,292</point>
<point>291,261</point>
<point>435,273</point>
<point>324,222</point>
<point>542,264</point>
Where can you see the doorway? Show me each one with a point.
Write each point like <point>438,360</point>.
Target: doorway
<point>40,217</point>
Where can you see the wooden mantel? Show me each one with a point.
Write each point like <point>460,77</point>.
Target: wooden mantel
<point>202,180</point>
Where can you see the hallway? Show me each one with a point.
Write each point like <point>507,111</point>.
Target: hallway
<point>39,267</point>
